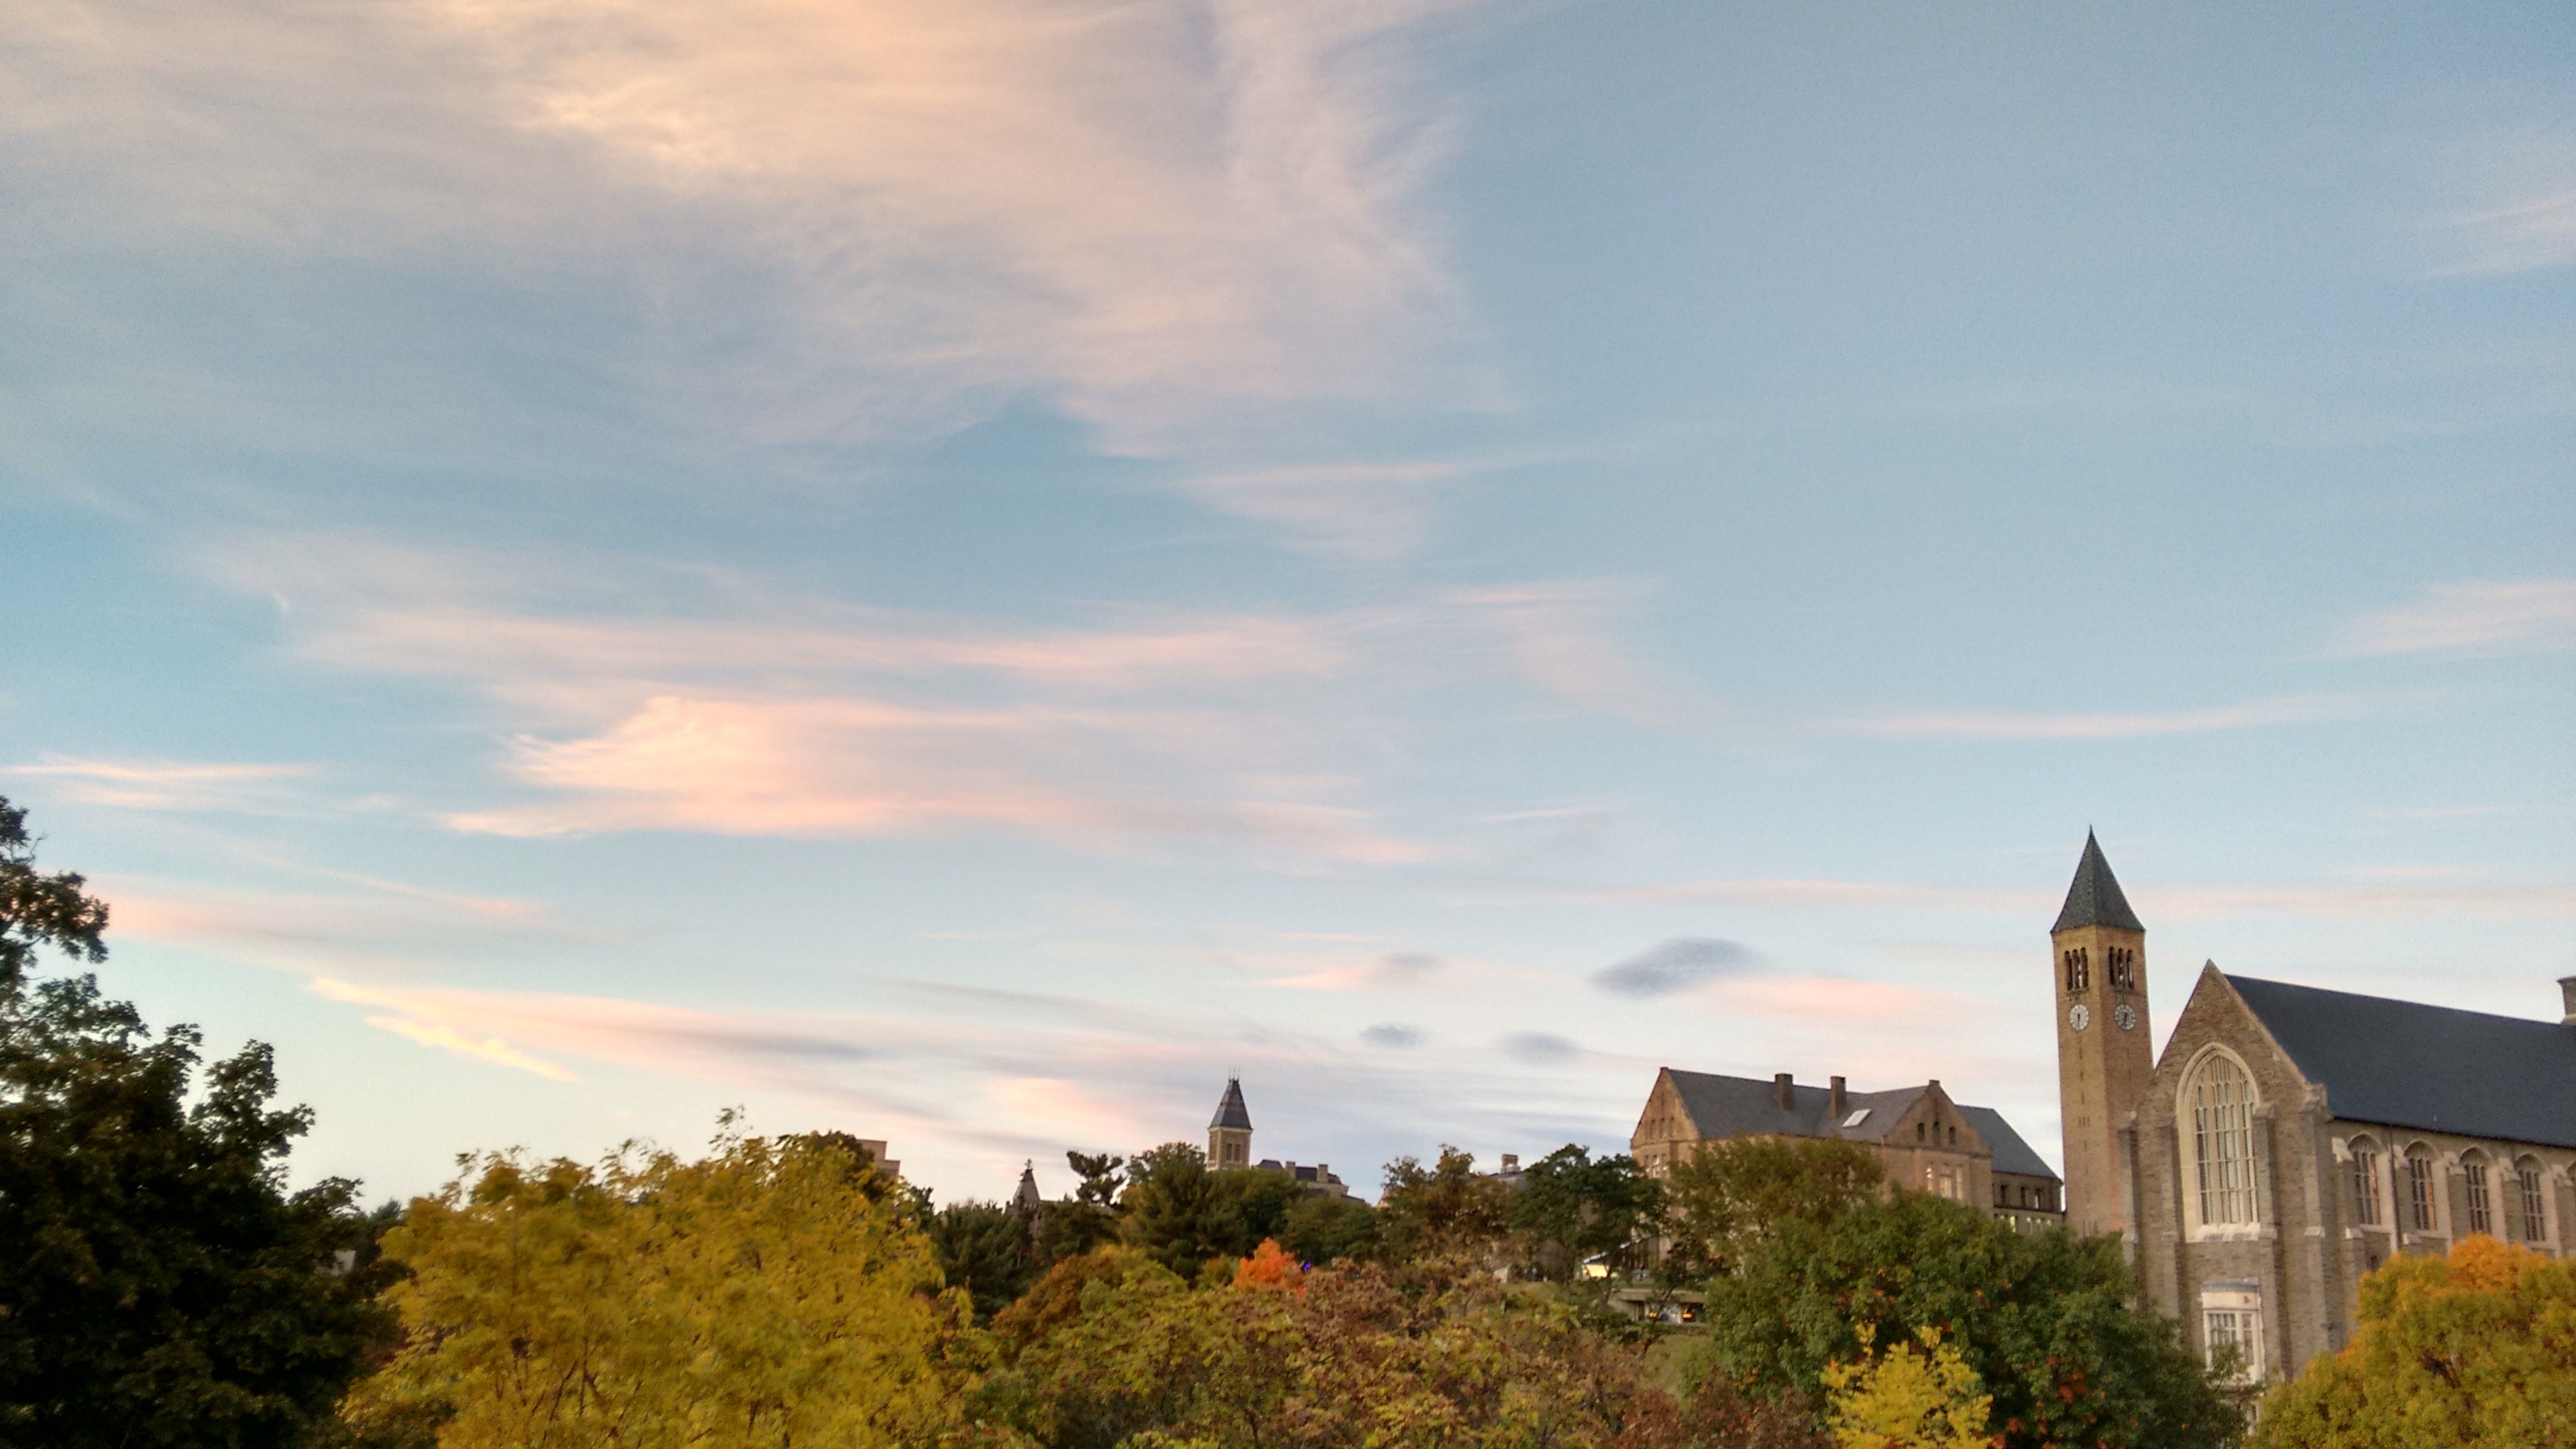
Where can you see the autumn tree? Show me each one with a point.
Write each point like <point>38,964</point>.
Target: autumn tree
<point>2044,1320</point>
<point>1919,1395</point>
<point>2476,1350</point>
<point>1321,1228</point>
<point>1442,1209</point>
<point>158,1283</point>
<point>1173,1210</point>
<point>761,1296</point>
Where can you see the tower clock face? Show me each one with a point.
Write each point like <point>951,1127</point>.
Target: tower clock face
<point>2079,1016</point>
<point>2126,1015</point>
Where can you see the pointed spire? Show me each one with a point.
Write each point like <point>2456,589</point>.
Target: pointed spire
<point>2094,899</point>
<point>1230,1111</point>
<point>1026,1196</point>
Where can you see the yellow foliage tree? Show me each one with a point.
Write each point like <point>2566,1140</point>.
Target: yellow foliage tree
<point>1919,1395</point>
<point>2473,1351</point>
<point>759,1297</point>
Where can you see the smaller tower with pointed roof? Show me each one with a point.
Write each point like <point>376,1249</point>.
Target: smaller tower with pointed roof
<point>2104,1052</point>
<point>1230,1130</point>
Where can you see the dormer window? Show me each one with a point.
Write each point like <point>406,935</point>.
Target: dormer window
<point>1858,1116</point>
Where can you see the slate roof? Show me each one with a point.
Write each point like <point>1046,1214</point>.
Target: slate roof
<point>1746,1106</point>
<point>2011,1153</point>
<point>2094,899</point>
<point>2405,1064</point>
<point>1230,1111</point>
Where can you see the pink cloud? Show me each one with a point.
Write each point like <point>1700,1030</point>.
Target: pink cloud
<point>164,784</point>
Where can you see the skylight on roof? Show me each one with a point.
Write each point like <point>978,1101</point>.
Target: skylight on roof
<point>1858,1116</point>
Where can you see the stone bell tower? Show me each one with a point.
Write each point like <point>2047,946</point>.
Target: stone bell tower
<point>1230,1130</point>
<point>2104,1051</point>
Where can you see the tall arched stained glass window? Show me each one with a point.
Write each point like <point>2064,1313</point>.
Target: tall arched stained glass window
<point>2222,1137</point>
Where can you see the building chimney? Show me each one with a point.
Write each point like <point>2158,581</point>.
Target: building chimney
<point>1511,1163</point>
<point>1837,1090</point>
<point>1784,1091</point>
<point>2567,994</point>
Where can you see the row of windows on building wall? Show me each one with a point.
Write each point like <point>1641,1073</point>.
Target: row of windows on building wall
<point>2501,1199</point>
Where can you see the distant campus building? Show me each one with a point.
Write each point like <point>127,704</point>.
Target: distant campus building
<point>1925,1140</point>
<point>1230,1145</point>
<point>2292,1139</point>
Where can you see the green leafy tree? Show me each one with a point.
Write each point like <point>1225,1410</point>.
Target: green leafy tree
<point>1322,1229</point>
<point>1573,1207</point>
<point>2044,1321</point>
<point>987,1249</point>
<point>1255,1202</point>
<point>1174,1210</point>
<point>158,1284</point>
<point>1088,1218</point>
<point>41,910</point>
<point>1728,1196</point>
<point>1097,1177</point>
<point>760,1297</point>
<point>1442,1209</point>
<point>2476,1350</point>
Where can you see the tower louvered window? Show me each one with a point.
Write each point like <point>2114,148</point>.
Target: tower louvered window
<point>2222,1130</point>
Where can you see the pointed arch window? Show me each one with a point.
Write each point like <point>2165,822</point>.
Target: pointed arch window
<point>2222,1136</point>
<point>2419,1188</point>
<point>2481,1199</point>
<point>2365,1182</point>
<point>2530,1188</point>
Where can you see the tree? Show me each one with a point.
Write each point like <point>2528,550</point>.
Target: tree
<point>1729,1195</point>
<point>1575,1208</point>
<point>2476,1350</point>
<point>1343,1356</point>
<point>1321,1228</point>
<point>1918,1395</point>
<point>986,1249</point>
<point>1174,1211</point>
<point>41,910</point>
<point>757,1297</point>
<point>1445,1208</point>
<point>2044,1320</point>
<point>158,1284</point>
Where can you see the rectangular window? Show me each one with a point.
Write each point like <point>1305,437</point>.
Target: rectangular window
<point>2481,1211</point>
<point>2419,1193</point>
<point>2365,1187</point>
<point>2535,1210</point>
<point>2231,1327</point>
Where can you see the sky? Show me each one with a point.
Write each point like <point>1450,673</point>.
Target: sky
<point>965,571</point>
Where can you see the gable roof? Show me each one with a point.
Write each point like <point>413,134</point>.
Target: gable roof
<point>2406,1064</point>
<point>2094,898</point>
<point>1749,1107</point>
<point>1230,1111</point>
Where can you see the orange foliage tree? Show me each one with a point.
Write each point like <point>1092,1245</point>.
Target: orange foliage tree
<point>2473,1351</point>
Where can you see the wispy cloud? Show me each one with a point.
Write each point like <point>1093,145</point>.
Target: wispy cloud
<point>2516,206</point>
<point>2109,725</point>
<point>749,711</point>
<point>165,784</point>
<point>2529,616</point>
<point>1838,895</point>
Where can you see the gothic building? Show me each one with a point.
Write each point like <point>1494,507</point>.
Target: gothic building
<point>1926,1141</point>
<point>1230,1146</point>
<point>2290,1139</point>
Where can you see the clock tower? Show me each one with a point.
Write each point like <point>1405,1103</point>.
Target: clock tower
<point>2104,1056</point>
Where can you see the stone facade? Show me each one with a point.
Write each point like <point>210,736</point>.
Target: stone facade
<point>2290,1139</point>
<point>2300,1243</point>
<point>1926,1141</point>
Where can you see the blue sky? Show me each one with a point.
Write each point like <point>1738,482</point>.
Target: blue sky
<point>963,571</point>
